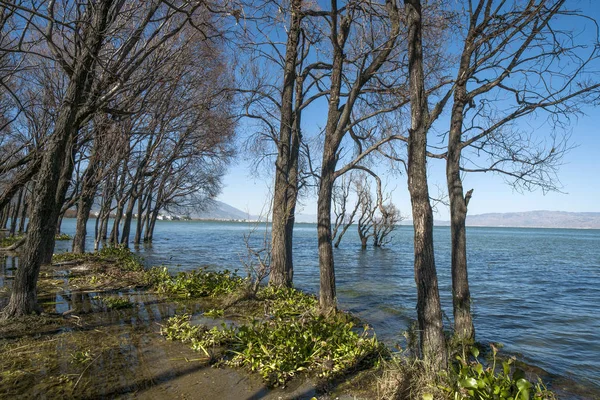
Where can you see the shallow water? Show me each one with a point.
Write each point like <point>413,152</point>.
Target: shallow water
<point>534,290</point>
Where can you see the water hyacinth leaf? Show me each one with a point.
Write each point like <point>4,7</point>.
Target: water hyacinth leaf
<point>475,352</point>
<point>479,369</point>
<point>470,383</point>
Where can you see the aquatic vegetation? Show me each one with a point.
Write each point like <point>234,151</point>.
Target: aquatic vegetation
<point>62,236</point>
<point>293,339</point>
<point>199,337</point>
<point>280,348</point>
<point>199,283</point>
<point>119,255</point>
<point>215,313</point>
<point>9,240</point>
<point>286,302</point>
<point>469,379</point>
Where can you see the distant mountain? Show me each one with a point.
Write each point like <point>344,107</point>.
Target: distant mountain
<point>538,219</point>
<point>221,211</point>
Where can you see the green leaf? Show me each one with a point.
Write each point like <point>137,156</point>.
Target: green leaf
<point>468,383</point>
<point>475,352</point>
<point>427,396</point>
<point>479,369</point>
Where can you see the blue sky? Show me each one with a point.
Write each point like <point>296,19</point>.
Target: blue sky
<point>579,175</point>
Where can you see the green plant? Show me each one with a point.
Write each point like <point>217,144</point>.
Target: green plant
<point>294,339</point>
<point>471,380</point>
<point>286,302</point>
<point>199,283</point>
<point>62,236</point>
<point>214,313</point>
<point>280,348</point>
<point>198,336</point>
<point>122,256</point>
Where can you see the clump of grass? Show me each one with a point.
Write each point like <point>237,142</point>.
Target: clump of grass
<point>328,347</point>
<point>294,339</point>
<point>62,236</point>
<point>193,284</point>
<point>197,336</point>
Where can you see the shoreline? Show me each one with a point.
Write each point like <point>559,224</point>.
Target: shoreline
<point>130,288</point>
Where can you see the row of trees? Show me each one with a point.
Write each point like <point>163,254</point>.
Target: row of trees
<point>133,105</point>
<point>106,97</point>
<point>391,77</point>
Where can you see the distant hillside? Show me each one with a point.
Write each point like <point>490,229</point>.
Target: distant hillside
<point>221,211</point>
<point>538,219</point>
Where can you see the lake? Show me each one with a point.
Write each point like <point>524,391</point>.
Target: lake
<point>536,291</point>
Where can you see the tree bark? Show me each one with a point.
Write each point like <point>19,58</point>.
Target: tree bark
<point>429,313</point>
<point>24,210</point>
<point>128,218</point>
<point>464,329</point>
<point>84,208</point>
<point>44,216</point>
<point>285,190</point>
<point>84,205</point>
<point>15,213</point>
<point>327,290</point>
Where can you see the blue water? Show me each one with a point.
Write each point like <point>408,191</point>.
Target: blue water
<point>536,291</point>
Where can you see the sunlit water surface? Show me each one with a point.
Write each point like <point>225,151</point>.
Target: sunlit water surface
<point>536,291</point>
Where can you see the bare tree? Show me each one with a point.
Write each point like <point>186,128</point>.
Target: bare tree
<point>344,218</point>
<point>75,37</point>
<point>367,60</point>
<point>515,61</point>
<point>385,223</point>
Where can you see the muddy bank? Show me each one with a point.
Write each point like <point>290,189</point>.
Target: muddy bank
<point>98,337</point>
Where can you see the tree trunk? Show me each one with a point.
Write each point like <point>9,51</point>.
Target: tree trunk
<point>429,313</point>
<point>44,215</point>
<point>45,207</point>
<point>327,290</point>
<point>139,221</point>
<point>464,329</point>
<point>84,208</point>
<point>127,219</point>
<point>4,216</point>
<point>284,196</point>
<point>24,210</point>
<point>150,232</point>
<point>15,214</point>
